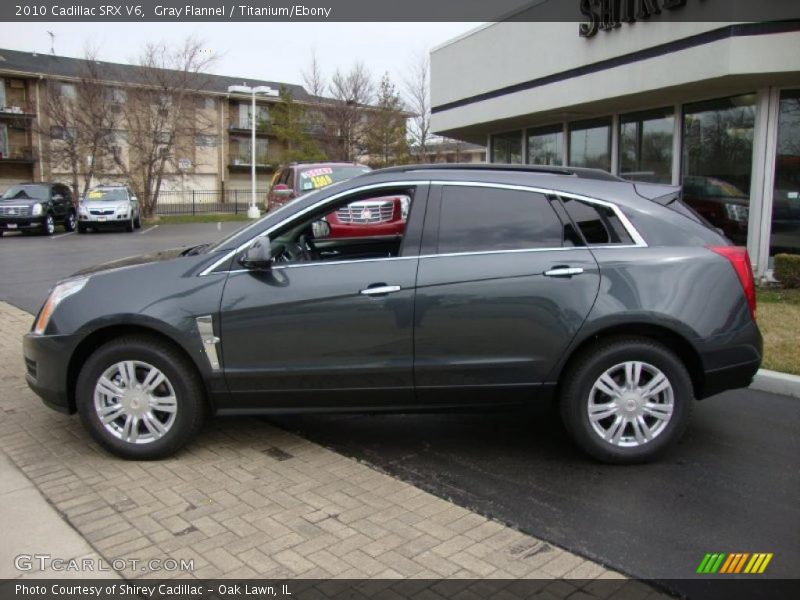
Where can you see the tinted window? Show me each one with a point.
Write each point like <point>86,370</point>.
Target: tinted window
<point>477,219</point>
<point>598,224</point>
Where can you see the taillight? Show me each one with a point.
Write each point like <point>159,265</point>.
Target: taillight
<point>740,261</point>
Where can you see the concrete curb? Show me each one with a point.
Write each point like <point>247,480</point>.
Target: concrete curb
<point>776,383</point>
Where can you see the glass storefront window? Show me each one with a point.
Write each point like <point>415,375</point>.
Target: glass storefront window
<point>507,148</point>
<point>546,146</point>
<point>785,236</point>
<point>590,144</point>
<point>717,160</point>
<point>645,146</point>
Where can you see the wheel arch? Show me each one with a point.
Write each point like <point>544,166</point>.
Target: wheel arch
<point>105,334</point>
<point>673,340</point>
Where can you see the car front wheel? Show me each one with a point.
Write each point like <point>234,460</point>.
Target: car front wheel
<point>139,398</point>
<point>48,225</point>
<point>627,400</point>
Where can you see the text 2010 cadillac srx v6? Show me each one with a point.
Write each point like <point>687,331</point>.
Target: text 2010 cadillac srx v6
<point>507,286</point>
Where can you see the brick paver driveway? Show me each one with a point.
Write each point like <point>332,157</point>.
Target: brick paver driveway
<point>250,500</point>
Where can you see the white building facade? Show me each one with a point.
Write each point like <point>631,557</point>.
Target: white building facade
<point>714,107</point>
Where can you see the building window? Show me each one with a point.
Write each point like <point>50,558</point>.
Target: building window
<point>3,140</point>
<point>2,93</point>
<point>717,160</point>
<point>546,146</point>
<point>262,116</point>
<point>785,236</point>
<point>645,146</point>
<point>117,96</point>
<point>507,148</point>
<point>206,140</point>
<point>69,91</point>
<point>590,144</point>
<point>62,133</point>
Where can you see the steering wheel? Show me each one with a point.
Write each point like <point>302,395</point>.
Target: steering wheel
<point>307,248</point>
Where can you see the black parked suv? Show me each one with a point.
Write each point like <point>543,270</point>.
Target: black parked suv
<point>508,286</point>
<point>37,207</point>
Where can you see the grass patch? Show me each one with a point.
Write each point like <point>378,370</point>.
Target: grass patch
<point>204,218</point>
<point>779,320</point>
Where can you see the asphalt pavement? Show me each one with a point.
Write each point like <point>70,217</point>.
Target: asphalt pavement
<point>731,485</point>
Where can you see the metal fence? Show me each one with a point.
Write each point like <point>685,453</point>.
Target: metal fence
<point>199,202</point>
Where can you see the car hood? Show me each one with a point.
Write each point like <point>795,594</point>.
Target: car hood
<point>132,261</point>
<point>105,205</point>
<point>20,201</point>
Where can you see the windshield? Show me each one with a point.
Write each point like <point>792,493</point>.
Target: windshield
<point>314,178</point>
<point>26,192</point>
<point>107,195</point>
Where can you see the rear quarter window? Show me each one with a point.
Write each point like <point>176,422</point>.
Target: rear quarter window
<point>599,225</point>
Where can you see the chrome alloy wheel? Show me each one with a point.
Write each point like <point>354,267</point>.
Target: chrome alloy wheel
<point>49,225</point>
<point>135,402</point>
<point>630,404</point>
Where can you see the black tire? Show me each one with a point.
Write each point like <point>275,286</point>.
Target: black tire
<point>181,375</point>
<point>137,223</point>
<point>581,376</point>
<point>129,225</point>
<point>48,225</point>
<point>81,227</point>
<point>69,221</point>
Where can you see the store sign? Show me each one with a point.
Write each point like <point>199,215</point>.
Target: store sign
<point>605,15</point>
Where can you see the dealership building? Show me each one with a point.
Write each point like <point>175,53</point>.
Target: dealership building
<point>711,106</point>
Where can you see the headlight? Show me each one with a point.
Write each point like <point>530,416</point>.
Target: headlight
<point>737,212</point>
<point>65,289</point>
<point>37,209</point>
<point>82,209</point>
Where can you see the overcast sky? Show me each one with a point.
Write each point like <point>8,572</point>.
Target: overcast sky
<point>270,51</point>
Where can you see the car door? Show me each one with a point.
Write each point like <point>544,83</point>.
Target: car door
<point>59,197</point>
<point>504,284</point>
<point>330,334</point>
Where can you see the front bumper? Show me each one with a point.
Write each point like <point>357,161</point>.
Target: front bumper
<point>21,223</point>
<point>103,221</point>
<point>46,363</point>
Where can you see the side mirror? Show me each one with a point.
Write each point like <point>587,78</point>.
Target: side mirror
<point>321,229</point>
<point>258,256</point>
<point>282,190</point>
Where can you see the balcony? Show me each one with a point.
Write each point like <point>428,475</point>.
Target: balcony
<point>16,154</point>
<point>243,128</point>
<point>240,161</point>
<point>15,111</point>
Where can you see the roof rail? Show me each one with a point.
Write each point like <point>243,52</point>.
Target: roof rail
<point>580,172</point>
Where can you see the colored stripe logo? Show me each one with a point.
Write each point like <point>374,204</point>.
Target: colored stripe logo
<point>736,562</point>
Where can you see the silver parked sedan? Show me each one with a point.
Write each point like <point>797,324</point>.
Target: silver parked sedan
<point>109,206</point>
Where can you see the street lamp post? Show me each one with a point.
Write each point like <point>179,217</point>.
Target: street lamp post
<point>252,212</point>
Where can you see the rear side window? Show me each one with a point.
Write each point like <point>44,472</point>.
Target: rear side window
<point>675,203</point>
<point>599,225</point>
<point>480,219</point>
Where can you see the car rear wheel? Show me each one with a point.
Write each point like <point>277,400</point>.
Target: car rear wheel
<point>139,398</point>
<point>626,401</point>
<point>48,225</point>
<point>69,221</point>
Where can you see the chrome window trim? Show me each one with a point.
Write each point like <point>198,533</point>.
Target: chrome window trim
<point>632,231</point>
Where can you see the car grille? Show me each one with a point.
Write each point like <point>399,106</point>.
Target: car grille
<point>15,211</point>
<point>98,212</point>
<point>366,213</point>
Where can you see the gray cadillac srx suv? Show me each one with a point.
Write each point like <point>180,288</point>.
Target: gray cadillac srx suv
<point>508,286</point>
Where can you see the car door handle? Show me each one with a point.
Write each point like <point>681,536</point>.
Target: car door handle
<point>380,290</point>
<point>563,271</point>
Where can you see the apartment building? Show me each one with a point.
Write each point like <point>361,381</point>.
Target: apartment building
<point>218,159</point>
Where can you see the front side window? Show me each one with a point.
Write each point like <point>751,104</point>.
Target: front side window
<point>482,219</point>
<point>590,145</point>
<point>645,146</point>
<point>361,226</point>
<point>507,148</point>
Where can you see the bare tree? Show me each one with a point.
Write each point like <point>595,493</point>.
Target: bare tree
<point>313,77</point>
<point>79,118</point>
<point>417,97</point>
<point>351,92</point>
<point>160,116</point>
<point>385,137</point>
